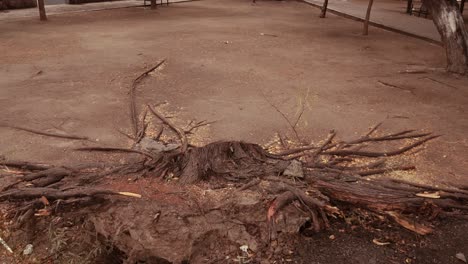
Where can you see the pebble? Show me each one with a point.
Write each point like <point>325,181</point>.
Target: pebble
<point>28,249</point>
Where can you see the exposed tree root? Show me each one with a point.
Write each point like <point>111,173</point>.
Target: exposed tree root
<point>324,186</point>
<point>48,134</point>
<point>178,131</point>
<point>133,109</point>
<point>25,165</point>
<point>330,187</point>
<point>325,180</point>
<point>110,149</point>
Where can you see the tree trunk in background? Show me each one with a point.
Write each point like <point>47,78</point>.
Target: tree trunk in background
<point>449,22</point>
<point>366,22</point>
<point>324,9</point>
<point>153,4</point>
<point>42,12</point>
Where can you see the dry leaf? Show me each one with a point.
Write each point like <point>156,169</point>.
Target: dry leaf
<point>461,257</point>
<point>44,201</point>
<point>42,212</point>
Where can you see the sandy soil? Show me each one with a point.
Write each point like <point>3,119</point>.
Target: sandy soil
<point>220,67</point>
<point>72,74</point>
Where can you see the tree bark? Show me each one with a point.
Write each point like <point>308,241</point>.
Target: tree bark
<point>42,12</point>
<point>153,4</point>
<point>324,9</point>
<point>449,22</point>
<point>366,22</point>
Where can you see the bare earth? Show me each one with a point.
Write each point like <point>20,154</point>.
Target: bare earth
<point>225,61</point>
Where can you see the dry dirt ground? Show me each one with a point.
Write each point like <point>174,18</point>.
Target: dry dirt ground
<point>230,61</point>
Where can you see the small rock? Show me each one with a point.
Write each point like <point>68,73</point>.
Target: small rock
<point>244,248</point>
<point>154,146</point>
<point>248,198</point>
<point>28,249</point>
<point>461,257</point>
<point>294,169</point>
<point>332,237</point>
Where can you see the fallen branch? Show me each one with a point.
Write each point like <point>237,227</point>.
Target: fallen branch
<point>357,141</point>
<point>50,193</point>
<point>197,125</point>
<point>384,170</point>
<point>295,150</point>
<point>439,82</point>
<point>429,187</point>
<point>378,154</point>
<point>328,140</point>
<point>411,90</point>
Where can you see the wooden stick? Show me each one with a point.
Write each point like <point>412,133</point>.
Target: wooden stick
<point>439,82</point>
<point>323,13</point>
<point>327,141</point>
<point>197,125</point>
<point>384,170</point>
<point>429,187</point>
<point>295,150</point>
<point>378,154</point>
<point>5,245</point>
<point>130,194</point>
<point>42,11</point>
<point>411,90</point>
<point>153,4</point>
<point>359,140</point>
<point>365,31</point>
<point>50,193</point>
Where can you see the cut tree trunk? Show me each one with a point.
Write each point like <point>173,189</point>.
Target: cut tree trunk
<point>449,22</point>
<point>366,22</point>
<point>42,12</point>
<point>153,4</point>
<point>324,9</point>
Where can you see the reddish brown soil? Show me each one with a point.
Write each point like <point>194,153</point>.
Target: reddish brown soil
<point>73,74</point>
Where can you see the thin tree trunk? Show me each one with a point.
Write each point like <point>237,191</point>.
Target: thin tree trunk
<point>449,22</point>
<point>153,4</point>
<point>324,9</point>
<point>366,22</point>
<point>42,12</point>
